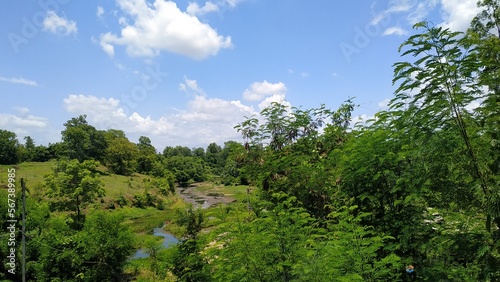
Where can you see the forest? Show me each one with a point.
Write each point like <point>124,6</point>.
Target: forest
<point>315,197</point>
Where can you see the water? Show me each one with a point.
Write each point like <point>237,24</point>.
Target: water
<point>167,242</point>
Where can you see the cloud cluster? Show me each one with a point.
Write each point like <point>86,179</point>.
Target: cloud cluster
<point>162,26</point>
<point>57,25</point>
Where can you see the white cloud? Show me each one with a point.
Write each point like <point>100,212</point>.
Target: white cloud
<point>420,10</point>
<point>260,90</point>
<point>384,103</point>
<point>190,86</point>
<point>22,110</point>
<point>163,27</point>
<point>304,74</point>
<point>19,80</point>
<point>22,123</point>
<point>278,98</point>
<point>394,8</point>
<point>194,9</point>
<point>100,11</point>
<point>457,14</point>
<point>395,30</point>
<point>204,120</point>
<point>57,25</point>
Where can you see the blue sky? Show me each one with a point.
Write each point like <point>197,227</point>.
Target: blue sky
<point>185,72</point>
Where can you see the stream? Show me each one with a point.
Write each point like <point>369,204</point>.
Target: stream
<point>198,200</point>
<point>167,242</point>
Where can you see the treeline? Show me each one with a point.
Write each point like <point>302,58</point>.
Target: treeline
<point>82,141</point>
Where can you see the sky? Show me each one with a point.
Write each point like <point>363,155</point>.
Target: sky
<point>186,72</point>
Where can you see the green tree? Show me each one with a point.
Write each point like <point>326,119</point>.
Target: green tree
<point>8,147</point>
<point>83,141</point>
<point>73,186</point>
<point>121,156</point>
<point>186,168</point>
<point>444,76</point>
<point>177,151</point>
<point>106,244</point>
<point>29,144</point>
<point>188,263</point>
<point>147,156</point>
<point>295,161</point>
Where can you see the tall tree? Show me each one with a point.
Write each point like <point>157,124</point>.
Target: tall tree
<point>83,141</point>
<point>147,158</point>
<point>445,83</point>
<point>121,156</point>
<point>74,185</point>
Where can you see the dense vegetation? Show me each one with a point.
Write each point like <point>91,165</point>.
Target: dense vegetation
<point>326,200</point>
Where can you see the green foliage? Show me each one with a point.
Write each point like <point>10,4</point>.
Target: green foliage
<point>187,263</point>
<point>295,159</point>
<point>121,156</point>
<point>177,151</point>
<point>186,168</point>
<point>8,147</point>
<point>82,141</point>
<point>106,245</point>
<point>74,185</point>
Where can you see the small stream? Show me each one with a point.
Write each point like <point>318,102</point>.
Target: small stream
<point>189,196</point>
<point>167,242</point>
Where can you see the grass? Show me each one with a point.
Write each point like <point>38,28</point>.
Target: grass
<point>32,172</point>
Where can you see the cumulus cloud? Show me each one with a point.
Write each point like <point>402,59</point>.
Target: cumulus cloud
<point>162,26</point>
<point>261,90</point>
<point>195,10</point>
<point>457,14</point>
<point>19,80</point>
<point>395,30</point>
<point>275,98</point>
<point>23,122</point>
<point>57,25</point>
<point>204,120</point>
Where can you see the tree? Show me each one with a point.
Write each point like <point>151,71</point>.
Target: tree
<point>107,244</point>
<point>74,185</point>
<point>8,147</point>
<point>121,156</point>
<point>294,160</point>
<point>147,157</point>
<point>188,264</point>
<point>444,76</point>
<point>186,168</point>
<point>177,151</point>
<point>213,157</point>
<point>83,141</point>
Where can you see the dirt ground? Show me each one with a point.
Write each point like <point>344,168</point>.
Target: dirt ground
<point>202,200</point>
